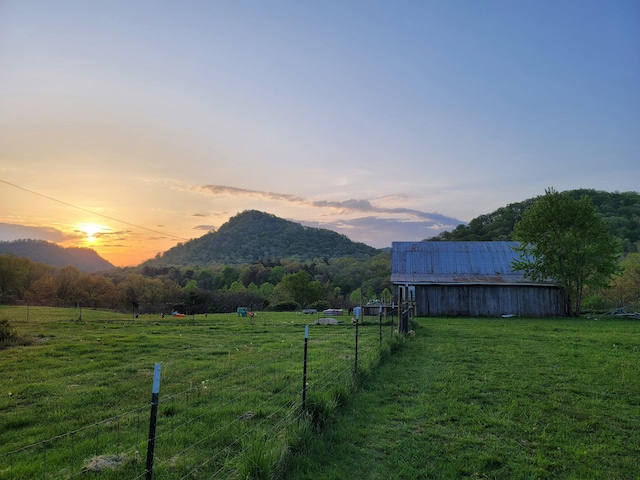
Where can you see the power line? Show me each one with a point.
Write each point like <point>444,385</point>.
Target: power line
<point>92,213</point>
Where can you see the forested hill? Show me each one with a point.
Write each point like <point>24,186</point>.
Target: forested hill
<point>621,211</point>
<point>258,237</point>
<point>84,259</point>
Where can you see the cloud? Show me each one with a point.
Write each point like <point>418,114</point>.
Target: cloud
<point>10,232</point>
<point>341,207</point>
<point>381,232</point>
<point>115,235</point>
<point>378,227</point>
<point>104,235</point>
<point>233,191</point>
<point>365,206</point>
<point>206,228</point>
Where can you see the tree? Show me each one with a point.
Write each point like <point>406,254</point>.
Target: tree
<point>356,297</point>
<point>276,274</point>
<point>170,292</point>
<point>69,285</point>
<point>301,289</point>
<point>626,286</point>
<point>237,287</point>
<point>134,291</point>
<point>563,239</point>
<point>14,273</point>
<point>386,296</point>
<point>100,291</point>
<point>190,293</point>
<point>266,291</point>
<point>42,291</point>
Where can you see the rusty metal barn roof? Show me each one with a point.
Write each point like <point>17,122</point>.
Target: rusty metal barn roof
<point>455,263</point>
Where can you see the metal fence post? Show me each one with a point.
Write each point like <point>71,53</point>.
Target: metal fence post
<point>304,369</point>
<point>152,422</point>
<point>355,366</point>
<point>391,332</point>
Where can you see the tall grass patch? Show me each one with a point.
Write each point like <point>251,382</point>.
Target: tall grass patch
<point>77,401</point>
<point>494,398</point>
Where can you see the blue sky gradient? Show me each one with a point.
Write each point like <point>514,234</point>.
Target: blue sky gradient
<point>381,120</point>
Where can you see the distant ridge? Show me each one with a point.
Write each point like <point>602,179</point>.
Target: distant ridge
<point>257,237</point>
<point>620,211</point>
<point>84,259</point>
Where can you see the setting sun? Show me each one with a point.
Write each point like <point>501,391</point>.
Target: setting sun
<point>91,231</point>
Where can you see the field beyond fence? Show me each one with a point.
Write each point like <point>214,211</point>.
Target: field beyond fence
<point>493,398</point>
<point>467,398</point>
<point>78,399</point>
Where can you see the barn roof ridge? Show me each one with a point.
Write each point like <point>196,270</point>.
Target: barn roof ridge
<point>475,262</point>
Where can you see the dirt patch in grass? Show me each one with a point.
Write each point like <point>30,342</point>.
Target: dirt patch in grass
<point>104,462</point>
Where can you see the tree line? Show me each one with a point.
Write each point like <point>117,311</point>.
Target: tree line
<point>285,285</point>
<point>619,211</point>
<point>585,247</point>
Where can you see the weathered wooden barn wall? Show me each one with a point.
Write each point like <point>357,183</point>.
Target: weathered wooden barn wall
<point>488,300</point>
<point>470,279</point>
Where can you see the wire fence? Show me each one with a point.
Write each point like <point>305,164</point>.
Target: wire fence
<point>205,430</point>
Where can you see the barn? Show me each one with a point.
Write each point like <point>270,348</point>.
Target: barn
<point>469,279</point>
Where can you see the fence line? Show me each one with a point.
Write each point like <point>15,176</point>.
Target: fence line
<point>204,429</point>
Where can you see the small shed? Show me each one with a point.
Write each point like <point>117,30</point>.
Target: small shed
<point>470,279</point>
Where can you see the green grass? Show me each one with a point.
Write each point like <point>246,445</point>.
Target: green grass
<point>77,398</point>
<point>493,398</point>
<point>464,398</point>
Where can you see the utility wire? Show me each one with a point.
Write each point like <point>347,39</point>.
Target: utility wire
<point>92,213</point>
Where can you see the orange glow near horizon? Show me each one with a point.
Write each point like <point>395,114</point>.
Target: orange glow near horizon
<point>124,257</point>
<point>131,252</point>
<point>92,232</point>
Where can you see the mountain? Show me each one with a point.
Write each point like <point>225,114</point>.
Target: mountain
<point>258,237</point>
<point>84,259</point>
<point>621,211</point>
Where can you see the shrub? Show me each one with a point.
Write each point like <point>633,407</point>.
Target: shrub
<point>259,460</point>
<point>596,303</point>
<point>321,409</point>
<point>320,305</point>
<point>6,331</point>
<point>300,435</point>
<point>9,337</point>
<point>396,342</point>
<point>287,306</point>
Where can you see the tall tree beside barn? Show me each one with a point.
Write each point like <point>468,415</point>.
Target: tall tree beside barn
<point>565,240</point>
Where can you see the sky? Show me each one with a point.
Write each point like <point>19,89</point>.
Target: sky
<point>128,127</point>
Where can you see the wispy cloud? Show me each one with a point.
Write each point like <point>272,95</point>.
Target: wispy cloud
<point>104,235</point>
<point>10,232</point>
<point>360,219</point>
<point>206,228</point>
<point>233,191</point>
<point>344,206</point>
<point>381,232</point>
<point>365,206</point>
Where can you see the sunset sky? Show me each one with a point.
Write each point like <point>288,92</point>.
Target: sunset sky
<point>129,126</point>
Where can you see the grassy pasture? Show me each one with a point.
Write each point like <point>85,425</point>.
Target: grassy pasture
<point>226,381</point>
<point>493,398</point>
<point>464,398</point>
